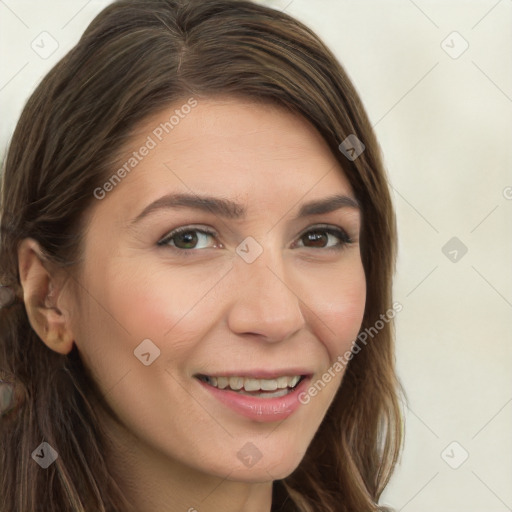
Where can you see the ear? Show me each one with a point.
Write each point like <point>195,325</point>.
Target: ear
<point>42,293</point>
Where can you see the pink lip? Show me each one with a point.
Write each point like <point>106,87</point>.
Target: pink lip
<point>260,409</point>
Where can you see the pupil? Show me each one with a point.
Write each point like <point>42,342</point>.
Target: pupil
<point>317,238</point>
<point>188,240</point>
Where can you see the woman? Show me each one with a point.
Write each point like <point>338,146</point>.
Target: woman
<point>196,225</point>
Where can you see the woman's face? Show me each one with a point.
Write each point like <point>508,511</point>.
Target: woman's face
<point>263,280</point>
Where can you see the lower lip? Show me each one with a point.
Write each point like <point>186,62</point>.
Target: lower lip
<point>259,409</point>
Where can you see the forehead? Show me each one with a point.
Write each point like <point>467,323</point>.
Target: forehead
<point>230,147</point>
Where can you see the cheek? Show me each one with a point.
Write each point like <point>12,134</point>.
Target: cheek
<point>337,305</point>
<point>155,300</point>
<point>172,307</point>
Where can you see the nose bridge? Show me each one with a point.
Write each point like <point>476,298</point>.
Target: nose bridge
<point>265,302</point>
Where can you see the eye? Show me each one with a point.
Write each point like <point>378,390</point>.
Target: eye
<point>324,237</point>
<point>189,237</point>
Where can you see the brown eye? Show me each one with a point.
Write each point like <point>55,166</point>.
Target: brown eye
<point>186,240</point>
<point>189,238</point>
<point>315,239</point>
<point>324,238</point>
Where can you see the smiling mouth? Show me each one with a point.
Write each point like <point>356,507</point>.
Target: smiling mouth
<point>261,388</point>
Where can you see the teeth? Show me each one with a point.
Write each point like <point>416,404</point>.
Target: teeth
<point>222,382</point>
<point>282,382</point>
<point>249,385</point>
<point>294,380</point>
<point>252,384</point>
<point>268,385</point>
<point>236,383</point>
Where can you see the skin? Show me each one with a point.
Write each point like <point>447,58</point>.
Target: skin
<point>298,305</point>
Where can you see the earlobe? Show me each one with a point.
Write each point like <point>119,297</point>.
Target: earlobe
<point>42,287</point>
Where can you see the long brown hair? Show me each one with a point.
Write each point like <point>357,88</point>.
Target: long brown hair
<point>135,58</point>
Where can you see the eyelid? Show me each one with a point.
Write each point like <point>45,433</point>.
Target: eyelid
<point>183,229</point>
<point>332,229</point>
<point>337,231</point>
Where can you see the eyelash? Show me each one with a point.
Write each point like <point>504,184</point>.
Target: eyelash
<point>331,230</point>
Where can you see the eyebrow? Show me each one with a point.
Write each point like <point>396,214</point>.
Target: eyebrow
<point>231,210</point>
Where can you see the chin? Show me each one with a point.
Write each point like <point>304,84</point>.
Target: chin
<point>264,472</point>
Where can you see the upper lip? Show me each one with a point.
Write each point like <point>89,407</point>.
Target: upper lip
<point>260,374</point>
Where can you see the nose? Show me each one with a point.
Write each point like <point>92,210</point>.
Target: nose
<point>265,303</point>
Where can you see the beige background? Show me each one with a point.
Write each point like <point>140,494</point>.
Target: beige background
<point>443,119</point>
